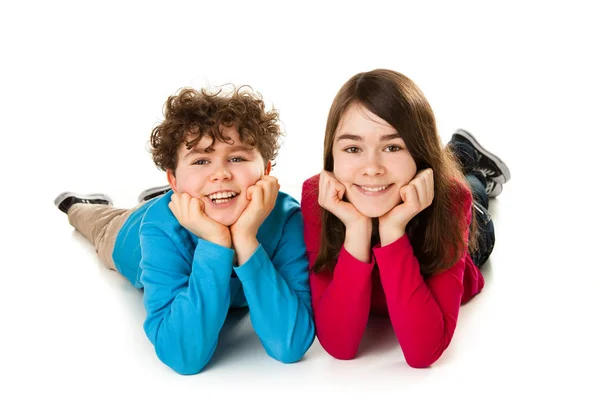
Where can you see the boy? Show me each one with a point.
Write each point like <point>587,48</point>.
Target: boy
<point>223,237</point>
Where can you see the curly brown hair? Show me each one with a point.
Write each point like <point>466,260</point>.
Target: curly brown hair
<point>191,114</point>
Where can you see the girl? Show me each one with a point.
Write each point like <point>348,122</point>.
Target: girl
<point>388,222</point>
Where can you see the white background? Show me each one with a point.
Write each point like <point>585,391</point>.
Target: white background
<point>83,84</point>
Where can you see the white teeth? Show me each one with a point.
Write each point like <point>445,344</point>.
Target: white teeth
<point>221,195</point>
<point>374,189</point>
<point>220,201</point>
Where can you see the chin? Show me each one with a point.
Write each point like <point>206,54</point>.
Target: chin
<point>372,212</point>
<point>226,220</point>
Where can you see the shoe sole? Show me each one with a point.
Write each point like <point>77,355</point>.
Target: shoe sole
<point>96,196</point>
<point>505,177</point>
<point>153,190</point>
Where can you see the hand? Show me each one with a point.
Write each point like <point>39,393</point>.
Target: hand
<point>189,211</point>
<point>262,196</point>
<point>357,241</point>
<point>416,196</point>
<point>331,193</point>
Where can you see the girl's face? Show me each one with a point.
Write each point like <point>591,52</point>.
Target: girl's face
<point>371,160</point>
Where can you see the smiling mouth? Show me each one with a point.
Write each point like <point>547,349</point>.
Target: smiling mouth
<point>374,189</point>
<point>222,197</point>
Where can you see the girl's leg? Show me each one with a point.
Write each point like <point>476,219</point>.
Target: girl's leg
<point>474,157</point>
<point>487,238</point>
<point>100,224</point>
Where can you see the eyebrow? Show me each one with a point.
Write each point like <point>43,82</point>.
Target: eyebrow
<point>230,149</point>
<point>384,138</point>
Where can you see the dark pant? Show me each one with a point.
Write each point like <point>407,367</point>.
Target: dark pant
<point>485,244</point>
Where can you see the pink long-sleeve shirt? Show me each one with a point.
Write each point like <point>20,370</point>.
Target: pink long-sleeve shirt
<point>423,311</point>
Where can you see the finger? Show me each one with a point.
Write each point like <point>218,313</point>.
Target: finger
<point>257,197</point>
<point>323,189</point>
<point>270,179</point>
<point>339,189</point>
<point>184,205</point>
<point>322,182</point>
<point>268,192</point>
<point>195,210</point>
<point>412,198</point>
<point>430,186</point>
<point>174,204</point>
<point>249,192</point>
<point>421,186</point>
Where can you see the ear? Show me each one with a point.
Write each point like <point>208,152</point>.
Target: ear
<point>268,168</point>
<point>172,180</point>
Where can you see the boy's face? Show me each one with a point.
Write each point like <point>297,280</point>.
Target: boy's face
<point>221,177</point>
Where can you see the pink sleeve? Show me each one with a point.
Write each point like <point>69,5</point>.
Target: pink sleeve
<point>423,312</point>
<point>341,300</point>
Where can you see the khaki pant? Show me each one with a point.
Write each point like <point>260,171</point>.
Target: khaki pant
<point>100,224</point>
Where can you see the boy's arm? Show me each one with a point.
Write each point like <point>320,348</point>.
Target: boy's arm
<point>186,304</point>
<point>278,294</point>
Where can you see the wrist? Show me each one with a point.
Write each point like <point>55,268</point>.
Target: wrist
<point>244,247</point>
<point>389,235</point>
<point>221,240</point>
<point>358,240</point>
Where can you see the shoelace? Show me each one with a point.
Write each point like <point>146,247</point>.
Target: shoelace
<point>487,171</point>
<point>489,186</point>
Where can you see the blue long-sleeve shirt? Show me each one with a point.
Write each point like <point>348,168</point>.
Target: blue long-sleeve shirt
<point>190,284</point>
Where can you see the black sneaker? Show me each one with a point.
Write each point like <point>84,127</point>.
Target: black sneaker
<point>493,188</point>
<point>153,192</point>
<point>488,163</point>
<point>65,200</point>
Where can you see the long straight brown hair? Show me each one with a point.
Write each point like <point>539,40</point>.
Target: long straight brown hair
<point>436,233</point>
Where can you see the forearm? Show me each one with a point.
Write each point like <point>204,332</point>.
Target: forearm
<point>244,246</point>
<point>342,305</point>
<point>281,316</point>
<point>185,313</point>
<point>423,313</point>
<point>358,240</point>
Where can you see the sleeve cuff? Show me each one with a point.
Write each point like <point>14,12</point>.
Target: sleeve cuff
<point>215,255</point>
<point>348,262</point>
<point>393,250</point>
<point>253,266</point>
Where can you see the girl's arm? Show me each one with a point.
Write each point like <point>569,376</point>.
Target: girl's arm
<point>342,299</point>
<point>423,312</point>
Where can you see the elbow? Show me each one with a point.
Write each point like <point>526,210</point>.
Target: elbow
<point>188,368</point>
<point>291,353</point>
<point>424,358</point>
<point>338,350</point>
<point>419,362</point>
<point>184,363</point>
<point>294,349</point>
<point>286,355</point>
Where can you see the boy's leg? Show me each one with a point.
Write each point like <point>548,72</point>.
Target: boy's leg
<point>153,192</point>
<point>100,224</point>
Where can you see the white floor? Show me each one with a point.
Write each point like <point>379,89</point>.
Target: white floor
<point>83,86</point>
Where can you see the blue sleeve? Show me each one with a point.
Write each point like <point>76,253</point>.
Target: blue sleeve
<point>186,298</point>
<point>278,294</point>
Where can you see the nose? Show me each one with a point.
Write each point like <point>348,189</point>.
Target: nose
<point>373,166</point>
<point>220,173</point>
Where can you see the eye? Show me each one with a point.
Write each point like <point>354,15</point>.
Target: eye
<point>352,149</point>
<point>392,148</point>
<point>200,162</point>
<point>237,159</point>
